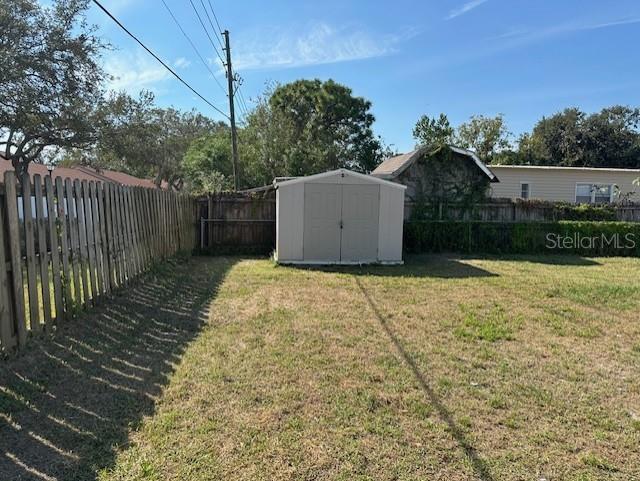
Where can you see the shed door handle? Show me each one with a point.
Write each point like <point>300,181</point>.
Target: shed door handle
<point>341,225</point>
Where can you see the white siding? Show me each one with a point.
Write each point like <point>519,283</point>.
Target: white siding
<point>558,184</point>
<point>290,222</point>
<point>390,224</point>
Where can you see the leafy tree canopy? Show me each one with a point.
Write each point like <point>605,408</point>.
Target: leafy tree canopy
<point>433,133</point>
<point>50,80</point>
<point>318,126</point>
<point>207,164</point>
<point>140,138</point>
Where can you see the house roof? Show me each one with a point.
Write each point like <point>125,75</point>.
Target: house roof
<point>81,173</point>
<point>377,180</point>
<point>558,167</point>
<point>394,166</point>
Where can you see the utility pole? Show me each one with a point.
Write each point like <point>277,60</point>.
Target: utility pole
<point>232,114</point>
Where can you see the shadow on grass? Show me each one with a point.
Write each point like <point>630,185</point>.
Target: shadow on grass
<point>428,266</point>
<point>479,465</point>
<point>69,402</point>
<point>550,259</point>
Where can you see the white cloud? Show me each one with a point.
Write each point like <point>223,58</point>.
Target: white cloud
<point>467,7</point>
<point>523,36</point>
<point>181,62</point>
<point>320,44</point>
<point>133,72</point>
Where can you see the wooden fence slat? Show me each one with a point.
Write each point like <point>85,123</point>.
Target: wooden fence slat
<point>91,247</point>
<point>63,223</point>
<point>148,197</point>
<point>111,245</point>
<point>30,249</point>
<point>116,237</point>
<point>72,209</point>
<point>142,221</point>
<point>82,238</point>
<point>104,202</point>
<point>8,339</point>
<point>118,232</point>
<point>126,220</point>
<point>55,248</point>
<point>98,233</point>
<point>43,250</point>
<point>133,241</point>
<point>13,223</point>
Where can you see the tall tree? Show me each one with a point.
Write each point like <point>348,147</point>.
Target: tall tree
<point>486,136</point>
<point>140,138</point>
<point>609,138</point>
<point>320,126</point>
<point>207,164</point>
<point>432,132</point>
<point>50,80</point>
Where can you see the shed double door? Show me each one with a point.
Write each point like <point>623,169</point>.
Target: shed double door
<point>341,222</point>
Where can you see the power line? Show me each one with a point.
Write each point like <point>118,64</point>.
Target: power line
<point>158,58</point>
<point>243,103</point>
<point>206,31</point>
<point>213,29</point>
<point>193,46</point>
<point>215,16</point>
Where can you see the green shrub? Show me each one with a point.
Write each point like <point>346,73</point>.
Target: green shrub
<point>564,237</point>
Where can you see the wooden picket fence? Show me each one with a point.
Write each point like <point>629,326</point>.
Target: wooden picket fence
<point>66,244</point>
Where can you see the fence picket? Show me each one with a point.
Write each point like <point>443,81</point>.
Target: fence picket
<point>30,249</point>
<point>104,203</point>
<point>55,249</point>
<point>13,224</point>
<point>81,241</point>
<point>91,247</point>
<point>87,297</point>
<point>43,251</point>
<point>111,243</point>
<point>63,217</point>
<point>72,209</point>
<point>7,337</point>
<point>98,227</point>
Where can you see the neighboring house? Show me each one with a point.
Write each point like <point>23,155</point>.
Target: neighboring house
<point>446,174</point>
<point>81,173</point>
<point>586,185</point>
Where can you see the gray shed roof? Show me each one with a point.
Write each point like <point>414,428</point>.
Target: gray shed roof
<point>394,166</point>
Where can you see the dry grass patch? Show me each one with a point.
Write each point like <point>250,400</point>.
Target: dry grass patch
<point>445,368</point>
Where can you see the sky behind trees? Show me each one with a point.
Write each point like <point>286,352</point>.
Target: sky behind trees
<point>520,58</point>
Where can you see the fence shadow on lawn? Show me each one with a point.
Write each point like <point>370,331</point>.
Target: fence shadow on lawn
<point>68,402</point>
<point>478,464</point>
<point>438,266</point>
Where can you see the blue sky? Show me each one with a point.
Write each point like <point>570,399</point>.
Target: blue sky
<point>523,59</point>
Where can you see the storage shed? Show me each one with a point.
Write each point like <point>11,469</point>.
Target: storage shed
<point>339,217</point>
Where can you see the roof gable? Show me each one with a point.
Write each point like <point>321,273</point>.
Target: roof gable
<point>311,178</point>
<point>394,166</point>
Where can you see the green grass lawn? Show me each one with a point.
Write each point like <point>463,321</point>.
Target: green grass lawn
<point>445,368</point>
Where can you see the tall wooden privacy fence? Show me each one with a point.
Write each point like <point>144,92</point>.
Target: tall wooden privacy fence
<point>66,244</point>
<point>509,211</point>
<point>237,223</point>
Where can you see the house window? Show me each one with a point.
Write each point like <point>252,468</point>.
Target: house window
<point>593,193</point>
<point>524,190</point>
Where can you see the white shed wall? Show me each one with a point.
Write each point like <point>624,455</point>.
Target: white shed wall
<point>290,217</point>
<point>290,222</point>
<point>391,224</point>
